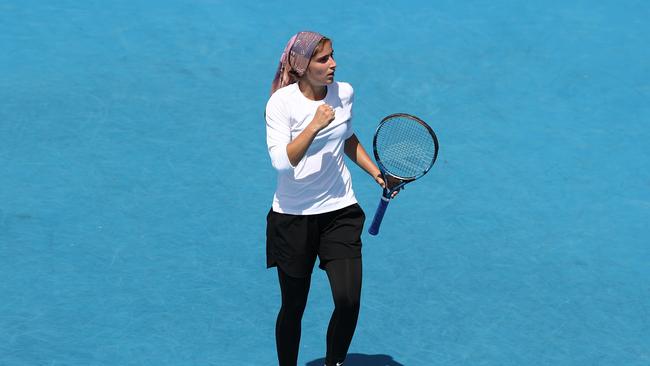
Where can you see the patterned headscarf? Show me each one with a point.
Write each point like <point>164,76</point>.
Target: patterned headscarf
<point>295,59</point>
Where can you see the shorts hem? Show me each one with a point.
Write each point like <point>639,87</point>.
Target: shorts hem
<point>288,271</point>
<point>323,262</point>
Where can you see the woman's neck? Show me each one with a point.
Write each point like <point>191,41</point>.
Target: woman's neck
<point>313,92</point>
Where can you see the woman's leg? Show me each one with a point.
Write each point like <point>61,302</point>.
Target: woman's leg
<point>287,328</point>
<point>345,280</point>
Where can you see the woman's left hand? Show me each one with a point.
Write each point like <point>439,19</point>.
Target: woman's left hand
<point>392,182</point>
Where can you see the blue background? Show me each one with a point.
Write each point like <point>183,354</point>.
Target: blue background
<point>134,182</point>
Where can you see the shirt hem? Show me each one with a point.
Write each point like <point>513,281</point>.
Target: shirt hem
<point>321,210</point>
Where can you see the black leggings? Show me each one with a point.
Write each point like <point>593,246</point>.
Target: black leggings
<point>345,280</point>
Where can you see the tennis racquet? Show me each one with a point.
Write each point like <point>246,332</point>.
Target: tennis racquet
<point>405,149</point>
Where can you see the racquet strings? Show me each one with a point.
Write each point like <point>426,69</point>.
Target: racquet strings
<point>405,147</point>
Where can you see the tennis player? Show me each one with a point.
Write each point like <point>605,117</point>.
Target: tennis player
<point>314,212</point>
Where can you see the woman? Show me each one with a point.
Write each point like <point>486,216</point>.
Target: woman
<point>315,212</point>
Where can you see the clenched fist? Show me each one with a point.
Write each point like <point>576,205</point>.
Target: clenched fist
<point>323,117</point>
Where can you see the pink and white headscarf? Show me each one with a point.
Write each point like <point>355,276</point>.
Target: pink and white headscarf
<point>295,59</point>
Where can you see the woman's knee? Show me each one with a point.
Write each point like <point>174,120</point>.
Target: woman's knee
<point>347,303</point>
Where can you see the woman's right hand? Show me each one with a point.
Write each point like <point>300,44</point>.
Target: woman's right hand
<point>296,149</point>
<point>323,117</point>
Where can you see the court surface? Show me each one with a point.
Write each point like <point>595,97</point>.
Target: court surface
<point>134,182</point>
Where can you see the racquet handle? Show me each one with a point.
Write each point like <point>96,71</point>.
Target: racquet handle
<point>379,215</point>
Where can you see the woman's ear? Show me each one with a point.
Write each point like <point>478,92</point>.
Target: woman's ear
<point>294,75</point>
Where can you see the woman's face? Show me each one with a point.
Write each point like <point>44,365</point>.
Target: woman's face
<point>321,68</point>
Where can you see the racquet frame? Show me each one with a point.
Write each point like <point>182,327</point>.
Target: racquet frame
<point>385,174</point>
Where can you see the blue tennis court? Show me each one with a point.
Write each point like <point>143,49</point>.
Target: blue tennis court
<point>135,181</point>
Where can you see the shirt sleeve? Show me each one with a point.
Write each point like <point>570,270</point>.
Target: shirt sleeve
<point>278,134</point>
<point>350,130</point>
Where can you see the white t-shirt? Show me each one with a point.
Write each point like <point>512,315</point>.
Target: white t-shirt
<point>320,182</point>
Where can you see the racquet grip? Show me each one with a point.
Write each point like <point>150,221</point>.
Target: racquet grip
<point>379,215</point>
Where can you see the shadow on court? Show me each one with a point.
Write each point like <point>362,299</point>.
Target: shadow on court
<point>358,359</point>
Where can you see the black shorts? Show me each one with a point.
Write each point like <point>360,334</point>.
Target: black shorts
<point>294,241</point>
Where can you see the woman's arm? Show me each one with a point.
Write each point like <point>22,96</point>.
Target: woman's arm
<point>297,148</point>
<point>355,151</point>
